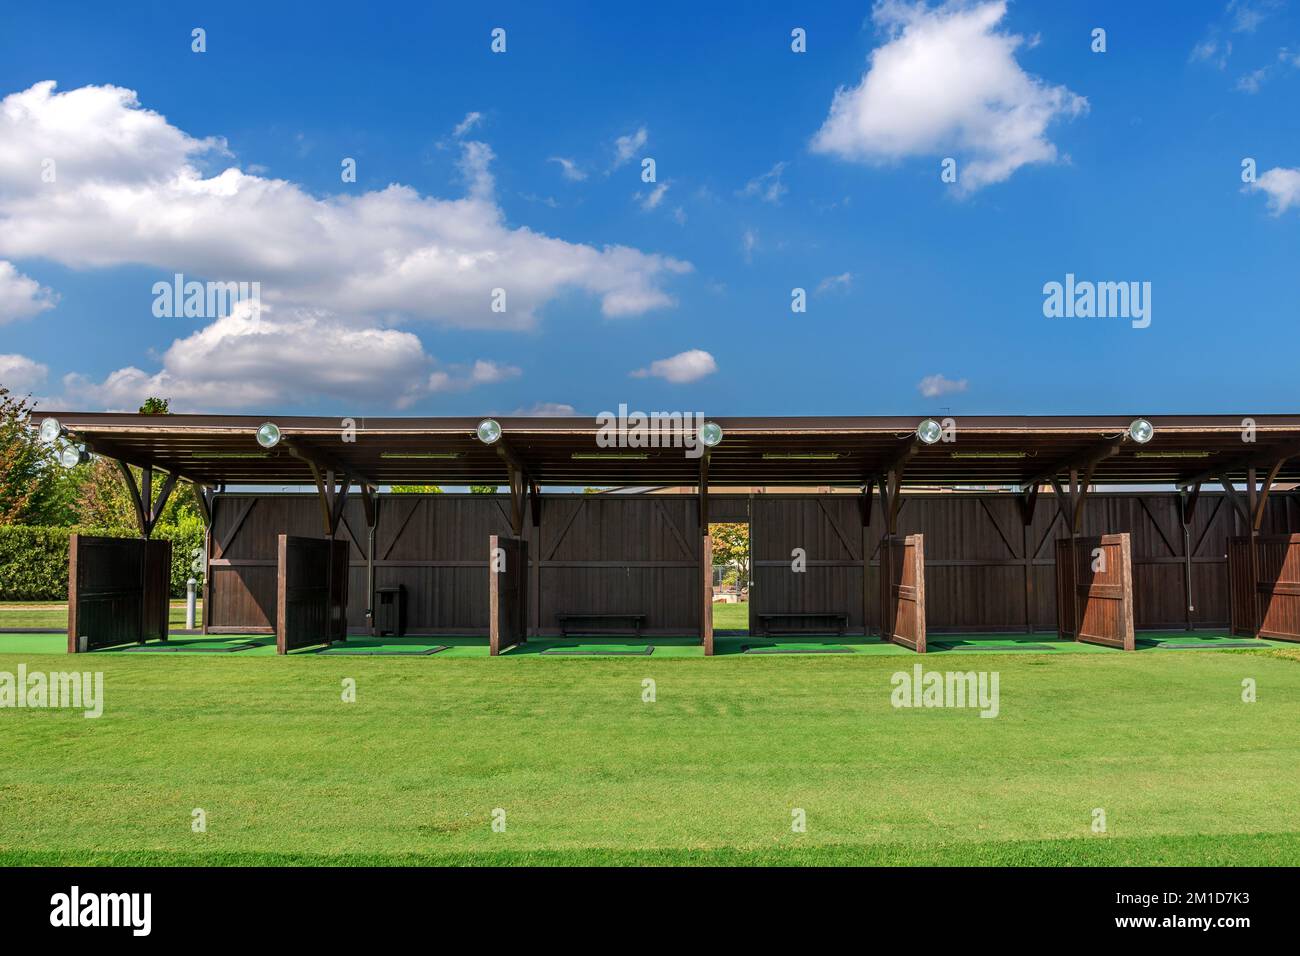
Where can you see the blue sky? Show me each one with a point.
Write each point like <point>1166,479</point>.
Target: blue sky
<point>1122,166</point>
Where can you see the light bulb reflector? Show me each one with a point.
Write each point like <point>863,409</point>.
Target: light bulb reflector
<point>268,434</point>
<point>51,430</point>
<point>488,431</point>
<point>929,431</point>
<point>70,456</point>
<point>1141,431</point>
<point>710,434</point>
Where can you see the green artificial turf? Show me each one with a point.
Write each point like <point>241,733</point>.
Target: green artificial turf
<point>587,771</point>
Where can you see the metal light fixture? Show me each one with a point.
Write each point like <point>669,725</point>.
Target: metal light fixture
<point>1141,431</point>
<point>268,434</point>
<point>52,430</point>
<point>70,455</point>
<point>488,431</point>
<point>929,431</point>
<point>710,434</point>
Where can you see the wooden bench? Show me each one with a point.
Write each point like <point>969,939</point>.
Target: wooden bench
<point>766,619</point>
<point>600,623</point>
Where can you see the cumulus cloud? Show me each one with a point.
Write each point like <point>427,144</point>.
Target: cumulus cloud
<point>683,367</point>
<point>20,374</point>
<point>1282,186</point>
<point>471,120</point>
<point>21,297</point>
<point>932,386</point>
<point>131,189</point>
<point>946,82</point>
<point>626,147</point>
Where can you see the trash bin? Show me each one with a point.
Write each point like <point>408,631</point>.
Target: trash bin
<point>390,610</point>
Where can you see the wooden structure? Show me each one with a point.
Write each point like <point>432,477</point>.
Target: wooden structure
<point>1094,590</point>
<point>118,591</point>
<point>902,591</point>
<point>989,561</point>
<point>311,592</point>
<point>507,592</point>
<point>1264,593</point>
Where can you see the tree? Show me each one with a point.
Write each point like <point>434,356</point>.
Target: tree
<point>31,482</point>
<point>482,489</point>
<point>415,489</point>
<point>731,549</point>
<point>155,406</point>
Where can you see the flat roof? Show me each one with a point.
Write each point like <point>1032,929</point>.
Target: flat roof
<point>839,450</point>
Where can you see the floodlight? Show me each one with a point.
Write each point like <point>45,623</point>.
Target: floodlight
<point>929,431</point>
<point>52,430</point>
<point>710,434</point>
<point>70,456</point>
<point>1141,431</point>
<point>488,431</point>
<point>268,434</point>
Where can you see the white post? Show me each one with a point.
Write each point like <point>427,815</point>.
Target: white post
<point>189,604</point>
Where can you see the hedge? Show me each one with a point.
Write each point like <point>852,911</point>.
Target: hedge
<point>34,559</point>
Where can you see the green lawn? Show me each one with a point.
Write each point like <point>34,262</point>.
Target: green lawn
<point>709,773</point>
<point>42,614</point>
<point>731,617</point>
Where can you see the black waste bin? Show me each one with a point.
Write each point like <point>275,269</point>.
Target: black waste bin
<point>390,610</point>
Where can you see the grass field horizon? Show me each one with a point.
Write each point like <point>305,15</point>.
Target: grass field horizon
<point>588,773</point>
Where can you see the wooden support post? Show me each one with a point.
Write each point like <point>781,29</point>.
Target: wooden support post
<point>706,559</point>
<point>868,493</point>
<point>1028,504</point>
<point>1186,503</point>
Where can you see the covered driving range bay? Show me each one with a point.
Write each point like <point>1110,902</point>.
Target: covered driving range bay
<point>1026,534</point>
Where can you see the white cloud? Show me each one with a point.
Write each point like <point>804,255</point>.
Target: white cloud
<point>545,410</point>
<point>130,189</point>
<point>1282,186</point>
<point>768,186</point>
<point>946,82</point>
<point>748,243</point>
<point>683,367</point>
<point>652,199</point>
<point>20,374</point>
<point>842,281</point>
<point>626,147</point>
<point>569,169</point>
<point>21,297</point>
<point>1247,15</point>
<point>471,120</point>
<point>932,386</point>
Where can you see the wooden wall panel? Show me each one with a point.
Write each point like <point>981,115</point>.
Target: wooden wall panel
<point>985,570</point>
<point>903,591</point>
<point>311,591</point>
<point>507,592</point>
<point>118,590</point>
<point>1098,574</point>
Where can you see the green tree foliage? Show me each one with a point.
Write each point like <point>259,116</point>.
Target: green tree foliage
<point>731,549</point>
<point>156,406</point>
<point>33,486</point>
<point>415,489</point>
<point>482,489</point>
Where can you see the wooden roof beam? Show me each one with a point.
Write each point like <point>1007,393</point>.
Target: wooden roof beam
<point>1271,458</point>
<point>1085,462</point>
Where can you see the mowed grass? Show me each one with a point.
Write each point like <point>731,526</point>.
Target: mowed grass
<point>588,773</point>
<point>43,614</point>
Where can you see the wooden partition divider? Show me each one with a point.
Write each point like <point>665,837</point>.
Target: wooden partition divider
<point>1094,590</point>
<point>311,592</point>
<point>118,591</point>
<point>1266,603</point>
<point>902,591</point>
<point>507,592</point>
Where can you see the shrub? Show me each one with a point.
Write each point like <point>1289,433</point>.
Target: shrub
<point>34,559</point>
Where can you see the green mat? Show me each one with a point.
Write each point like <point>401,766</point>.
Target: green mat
<point>600,652</point>
<point>382,651</point>
<point>952,646</point>
<point>1204,645</point>
<point>770,649</point>
<point>206,647</point>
